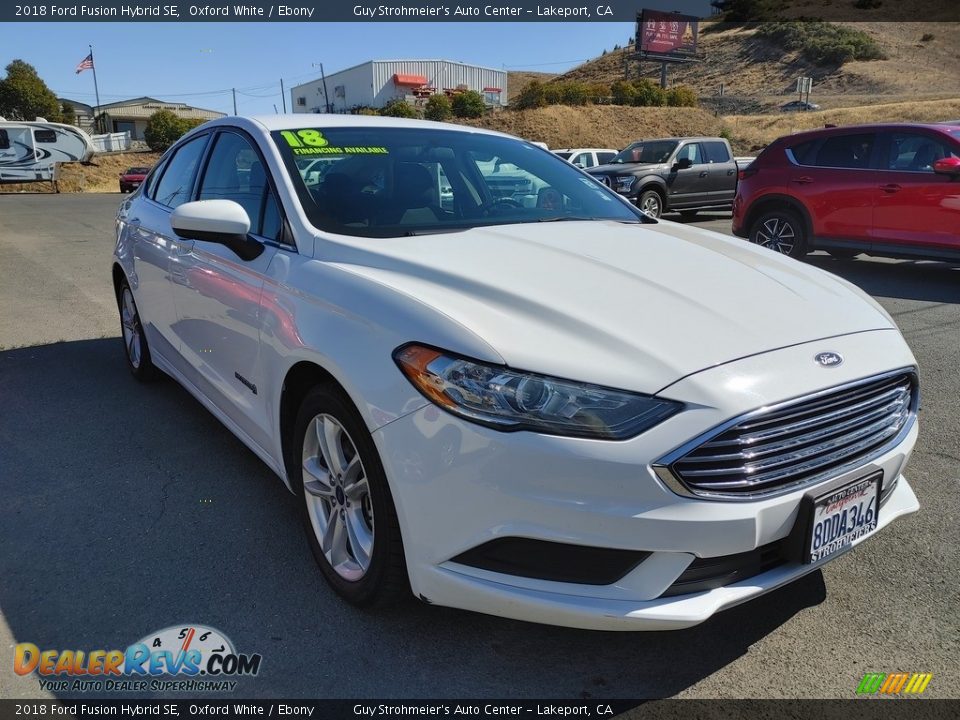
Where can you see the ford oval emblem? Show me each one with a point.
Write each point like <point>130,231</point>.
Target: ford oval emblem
<point>828,359</point>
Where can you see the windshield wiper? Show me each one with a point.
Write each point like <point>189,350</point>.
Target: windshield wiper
<point>565,218</point>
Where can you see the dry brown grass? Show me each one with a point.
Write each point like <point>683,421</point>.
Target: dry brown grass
<point>100,176</point>
<point>751,132</point>
<point>517,80</point>
<point>600,125</point>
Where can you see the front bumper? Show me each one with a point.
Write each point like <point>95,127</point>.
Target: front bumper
<point>457,485</point>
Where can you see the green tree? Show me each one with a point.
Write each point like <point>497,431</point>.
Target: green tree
<point>438,108</point>
<point>68,114</point>
<point>649,94</point>
<point>398,108</point>
<point>468,104</point>
<point>164,129</point>
<point>24,96</point>
<point>532,96</point>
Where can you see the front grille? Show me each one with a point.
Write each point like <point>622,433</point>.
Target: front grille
<point>800,442</point>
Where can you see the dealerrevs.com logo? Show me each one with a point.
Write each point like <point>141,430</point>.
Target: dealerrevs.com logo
<point>185,658</point>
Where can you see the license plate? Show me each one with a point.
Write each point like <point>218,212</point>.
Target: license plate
<point>842,516</point>
<point>136,184</point>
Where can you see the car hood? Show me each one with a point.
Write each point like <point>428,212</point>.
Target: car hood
<point>633,306</point>
<point>623,168</point>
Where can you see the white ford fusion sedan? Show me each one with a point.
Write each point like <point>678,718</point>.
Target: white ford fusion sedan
<point>493,382</point>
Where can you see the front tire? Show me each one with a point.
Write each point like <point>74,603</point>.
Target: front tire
<point>651,203</point>
<point>780,230</point>
<point>136,350</point>
<point>346,506</point>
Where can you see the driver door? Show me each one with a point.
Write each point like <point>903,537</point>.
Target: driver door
<point>689,186</point>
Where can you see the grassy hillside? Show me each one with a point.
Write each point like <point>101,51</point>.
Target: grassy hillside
<point>100,176</point>
<point>517,80</point>
<point>921,60</point>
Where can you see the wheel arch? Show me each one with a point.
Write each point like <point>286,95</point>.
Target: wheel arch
<point>118,277</point>
<point>656,184</point>
<point>769,202</point>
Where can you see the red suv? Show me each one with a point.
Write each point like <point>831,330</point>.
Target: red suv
<point>890,190</point>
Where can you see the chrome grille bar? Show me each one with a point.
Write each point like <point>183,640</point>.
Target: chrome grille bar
<point>798,442</point>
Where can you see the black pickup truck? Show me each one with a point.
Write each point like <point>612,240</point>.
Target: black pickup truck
<point>674,174</point>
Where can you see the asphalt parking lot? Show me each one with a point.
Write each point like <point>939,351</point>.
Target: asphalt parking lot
<point>128,508</point>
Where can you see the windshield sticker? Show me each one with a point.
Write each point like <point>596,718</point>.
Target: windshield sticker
<point>312,142</point>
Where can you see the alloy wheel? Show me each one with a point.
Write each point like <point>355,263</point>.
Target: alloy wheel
<point>337,494</point>
<point>776,233</point>
<point>651,205</point>
<point>132,330</point>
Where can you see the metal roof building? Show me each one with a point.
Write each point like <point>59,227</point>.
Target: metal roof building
<point>377,82</point>
<point>132,115</point>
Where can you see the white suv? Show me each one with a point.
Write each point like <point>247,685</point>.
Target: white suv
<point>557,410</point>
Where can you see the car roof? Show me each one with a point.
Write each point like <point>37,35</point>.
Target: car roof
<point>293,121</point>
<point>870,127</point>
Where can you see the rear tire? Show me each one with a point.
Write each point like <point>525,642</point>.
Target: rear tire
<point>346,506</point>
<point>136,350</point>
<point>780,230</point>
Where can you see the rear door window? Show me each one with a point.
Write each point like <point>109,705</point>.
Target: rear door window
<point>846,151</point>
<point>716,152</point>
<point>604,157</point>
<point>176,184</point>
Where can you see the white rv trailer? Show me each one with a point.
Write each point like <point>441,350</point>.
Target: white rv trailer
<point>29,151</point>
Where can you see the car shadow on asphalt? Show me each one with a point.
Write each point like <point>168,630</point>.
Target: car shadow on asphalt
<point>128,508</point>
<point>905,279</point>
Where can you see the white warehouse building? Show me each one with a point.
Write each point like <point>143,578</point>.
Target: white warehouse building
<point>377,82</point>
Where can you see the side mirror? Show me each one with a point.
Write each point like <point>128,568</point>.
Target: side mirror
<point>218,221</point>
<point>947,166</point>
<point>683,164</point>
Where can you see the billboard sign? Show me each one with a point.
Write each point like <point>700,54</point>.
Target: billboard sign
<point>667,34</point>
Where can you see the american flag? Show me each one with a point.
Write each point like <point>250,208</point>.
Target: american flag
<point>85,64</point>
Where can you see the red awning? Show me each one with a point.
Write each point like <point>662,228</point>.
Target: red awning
<point>492,90</point>
<point>414,80</point>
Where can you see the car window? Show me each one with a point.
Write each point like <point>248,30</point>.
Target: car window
<point>716,152</point>
<point>151,181</point>
<point>235,172</point>
<point>691,152</point>
<point>604,157</point>
<point>655,152</point>
<point>176,184</point>
<point>564,155</point>
<point>846,151</point>
<point>392,181</point>
<point>583,160</point>
<point>915,152</point>
<point>804,153</point>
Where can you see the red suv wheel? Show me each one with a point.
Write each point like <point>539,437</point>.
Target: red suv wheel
<point>781,230</point>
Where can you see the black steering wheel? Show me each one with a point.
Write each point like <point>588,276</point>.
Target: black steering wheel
<point>494,207</point>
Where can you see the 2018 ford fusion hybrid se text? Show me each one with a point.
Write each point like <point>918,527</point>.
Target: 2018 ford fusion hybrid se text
<point>493,382</point>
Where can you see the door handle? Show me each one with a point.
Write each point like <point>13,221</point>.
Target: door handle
<point>891,188</point>
<point>805,180</point>
<point>184,247</point>
<point>704,173</point>
<point>731,172</point>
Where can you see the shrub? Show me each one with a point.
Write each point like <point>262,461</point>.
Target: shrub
<point>623,92</point>
<point>364,110</point>
<point>438,108</point>
<point>822,43</point>
<point>681,96</point>
<point>468,104</point>
<point>398,108</point>
<point>649,94</point>
<point>164,129</point>
<point>598,93</point>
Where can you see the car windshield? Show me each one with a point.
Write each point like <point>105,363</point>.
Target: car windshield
<point>138,171</point>
<point>652,153</point>
<point>391,182</point>
<point>564,155</point>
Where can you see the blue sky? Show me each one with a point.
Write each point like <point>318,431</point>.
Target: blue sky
<point>198,63</point>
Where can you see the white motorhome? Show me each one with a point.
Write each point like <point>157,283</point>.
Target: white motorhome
<point>29,151</point>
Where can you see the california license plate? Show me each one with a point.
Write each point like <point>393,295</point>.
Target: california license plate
<point>842,516</point>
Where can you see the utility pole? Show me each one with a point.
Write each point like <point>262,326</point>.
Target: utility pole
<point>323,77</point>
<point>283,96</point>
<point>234,101</point>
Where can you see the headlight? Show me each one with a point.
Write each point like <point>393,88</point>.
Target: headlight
<point>625,182</point>
<point>509,400</point>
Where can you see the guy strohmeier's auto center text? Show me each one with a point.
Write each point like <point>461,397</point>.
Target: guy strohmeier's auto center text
<point>283,11</point>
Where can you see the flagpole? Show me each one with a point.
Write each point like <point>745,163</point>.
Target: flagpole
<point>96,90</point>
